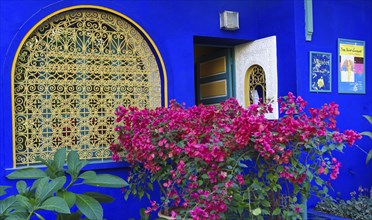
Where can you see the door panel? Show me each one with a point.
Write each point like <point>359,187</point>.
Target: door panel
<point>214,77</point>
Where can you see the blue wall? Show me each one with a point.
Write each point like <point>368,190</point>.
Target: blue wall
<point>173,25</point>
<point>277,18</point>
<point>350,20</point>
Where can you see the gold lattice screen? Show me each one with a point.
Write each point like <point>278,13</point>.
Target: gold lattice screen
<point>256,83</point>
<point>70,75</point>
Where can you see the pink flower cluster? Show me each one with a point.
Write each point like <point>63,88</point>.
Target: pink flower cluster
<point>195,152</point>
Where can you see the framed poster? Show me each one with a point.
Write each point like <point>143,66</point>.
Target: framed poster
<point>320,72</point>
<point>351,66</point>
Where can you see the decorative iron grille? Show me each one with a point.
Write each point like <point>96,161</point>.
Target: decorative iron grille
<point>257,82</point>
<point>70,75</point>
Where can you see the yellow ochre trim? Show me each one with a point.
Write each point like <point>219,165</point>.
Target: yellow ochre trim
<point>141,30</point>
<point>247,86</point>
<point>213,67</point>
<point>213,89</point>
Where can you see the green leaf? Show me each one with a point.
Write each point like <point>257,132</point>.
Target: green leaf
<point>325,190</point>
<point>367,133</point>
<point>73,163</point>
<point>276,211</point>
<point>89,207</point>
<point>101,198</point>
<point>369,118</point>
<point>55,204</point>
<point>25,202</point>
<point>40,186</point>
<point>49,188</point>
<point>82,163</point>
<point>150,186</point>
<point>69,197</point>
<point>266,203</point>
<point>39,216</point>
<point>17,215</point>
<point>47,163</point>
<point>71,216</point>
<point>106,180</point>
<point>35,184</point>
<point>27,173</point>
<point>369,156</point>
<point>319,181</point>
<point>310,175</point>
<point>242,165</point>
<point>2,189</point>
<point>256,212</point>
<point>141,193</point>
<point>88,175</point>
<point>60,158</point>
<point>21,187</point>
<point>6,204</point>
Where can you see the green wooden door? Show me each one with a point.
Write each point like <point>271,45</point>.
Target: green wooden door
<point>214,77</point>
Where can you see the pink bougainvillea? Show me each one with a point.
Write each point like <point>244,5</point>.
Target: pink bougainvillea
<point>208,159</point>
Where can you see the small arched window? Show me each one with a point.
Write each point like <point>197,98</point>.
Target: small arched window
<point>70,73</point>
<point>255,85</point>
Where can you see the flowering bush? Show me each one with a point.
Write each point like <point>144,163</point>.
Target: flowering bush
<point>210,161</point>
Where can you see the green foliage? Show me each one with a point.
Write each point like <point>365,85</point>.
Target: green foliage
<point>359,207</point>
<point>50,192</point>
<point>91,208</point>
<point>368,134</point>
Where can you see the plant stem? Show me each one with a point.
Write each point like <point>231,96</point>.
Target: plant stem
<point>361,149</point>
<point>30,215</point>
<point>70,184</point>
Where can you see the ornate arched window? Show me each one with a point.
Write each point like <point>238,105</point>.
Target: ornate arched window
<point>255,85</point>
<point>70,73</point>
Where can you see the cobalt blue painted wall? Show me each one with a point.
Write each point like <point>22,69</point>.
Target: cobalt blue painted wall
<point>173,24</point>
<point>277,18</point>
<point>332,20</point>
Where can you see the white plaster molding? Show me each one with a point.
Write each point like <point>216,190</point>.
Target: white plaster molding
<point>259,52</point>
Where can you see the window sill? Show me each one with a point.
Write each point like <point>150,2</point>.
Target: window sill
<point>94,165</point>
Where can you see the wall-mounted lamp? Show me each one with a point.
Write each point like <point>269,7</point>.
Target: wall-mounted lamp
<point>229,20</point>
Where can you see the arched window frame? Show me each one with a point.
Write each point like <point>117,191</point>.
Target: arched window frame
<point>150,42</point>
<point>254,78</point>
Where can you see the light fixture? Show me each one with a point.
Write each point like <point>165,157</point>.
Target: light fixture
<point>229,20</point>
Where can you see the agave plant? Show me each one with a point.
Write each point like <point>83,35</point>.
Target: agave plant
<point>50,190</point>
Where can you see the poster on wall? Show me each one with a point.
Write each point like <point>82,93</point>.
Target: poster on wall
<point>351,66</point>
<point>320,72</point>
